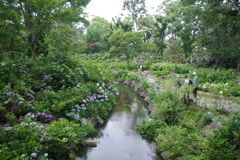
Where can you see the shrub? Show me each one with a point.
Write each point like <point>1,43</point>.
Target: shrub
<point>148,129</point>
<point>163,69</point>
<point>63,138</point>
<point>24,140</point>
<point>175,140</point>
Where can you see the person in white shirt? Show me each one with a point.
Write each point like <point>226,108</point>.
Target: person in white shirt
<point>186,81</point>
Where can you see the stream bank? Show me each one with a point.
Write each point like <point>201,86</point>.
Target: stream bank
<point>117,138</point>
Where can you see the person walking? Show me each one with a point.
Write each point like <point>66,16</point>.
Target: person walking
<point>195,83</point>
<point>178,83</point>
<point>186,82</point>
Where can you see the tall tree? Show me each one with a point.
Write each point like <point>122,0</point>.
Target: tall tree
<point>126,24</point>
<point>137,9</point>
<point>98,32</point>
<point>39,15</point>
<point>125,43</point>
<point>218,34</point>
<point>10,27</point>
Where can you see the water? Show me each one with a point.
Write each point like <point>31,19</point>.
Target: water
<point>117,139</point>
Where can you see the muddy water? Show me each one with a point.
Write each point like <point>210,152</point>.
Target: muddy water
<point>117,139</point>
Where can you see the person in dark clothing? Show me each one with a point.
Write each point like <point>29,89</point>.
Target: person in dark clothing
<point>195,83</point>
<point>178,83</point>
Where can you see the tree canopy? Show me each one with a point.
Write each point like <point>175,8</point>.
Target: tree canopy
<point>209,31</point>
<point>36,16</point>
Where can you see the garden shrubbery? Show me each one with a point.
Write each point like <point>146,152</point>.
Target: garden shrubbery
<point>45,105</point>
<point>217,81</point>
<point>164,69</point>
<point>178,129</point>
<point>189,131</point>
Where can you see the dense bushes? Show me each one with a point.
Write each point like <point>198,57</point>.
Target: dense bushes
<point>45,105</point>
<point>189,131</point>
<point>163,69</point>
<point>177,128</point>
<point>217,81</point>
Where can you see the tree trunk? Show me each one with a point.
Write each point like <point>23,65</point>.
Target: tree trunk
<point>33,45</point>
<point>33,50</point>
<point>11,44</point>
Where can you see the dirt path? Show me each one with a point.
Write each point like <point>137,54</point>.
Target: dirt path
<point>205,99</point>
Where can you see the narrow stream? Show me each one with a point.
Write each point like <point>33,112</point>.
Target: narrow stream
<point>117,139</point>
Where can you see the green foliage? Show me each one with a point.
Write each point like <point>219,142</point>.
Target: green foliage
<point>223,142</point>
<point>10,118</point>
<point>24,139</point>
<point>175,140</point>
<point>148,129</point>
<point>126,43</point>
<point>174,52</point>
<point>136,10</point>
<point>50,85</point>
<point>218,81</point>
<point>38,17</point>
<point>163,69</point>
<point>145,85</point>
<point>206,119</point>
<point>64,136</point>
<point>190,117</point>
<point>97,33</point>
<point>58,140</point>
<point>168,106</point>
<point>216,75</point>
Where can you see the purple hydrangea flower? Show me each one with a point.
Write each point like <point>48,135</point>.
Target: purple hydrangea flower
<point>49,79</point>
<point>34,155</point>
<point>43,85</point>
<point>30,97</point>
<point>30,105</point>
<point>46,78</point>
<point>9,100</point>
<point>6,125</point>
<point>32,92</point>
<point>223,116</point>
<point>9,93</point>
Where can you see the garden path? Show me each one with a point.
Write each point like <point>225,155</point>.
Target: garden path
<point>205,99</point>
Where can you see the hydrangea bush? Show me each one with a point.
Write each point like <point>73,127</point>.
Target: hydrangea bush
<point>36,98</point>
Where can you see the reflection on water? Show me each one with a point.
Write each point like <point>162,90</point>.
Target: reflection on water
<point>117,139</point>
